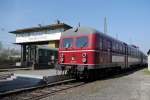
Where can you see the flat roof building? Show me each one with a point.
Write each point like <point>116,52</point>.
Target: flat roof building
<point>34,38</point>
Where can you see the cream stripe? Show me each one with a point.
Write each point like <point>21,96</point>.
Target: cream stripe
<point>81,51</point>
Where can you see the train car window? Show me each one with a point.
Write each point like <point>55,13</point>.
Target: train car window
<point>123,49</point>
<point>109,45</point>
<point>133,52</point>
<point>101,43</point>
<point>104,44</point>
<point>82,42</point>
<point>129,51</point>
<point>67,42</point>
<point>136,53</point>
<point>120,48</point>
<point>98,41</point>
<point>117,46</point>
<point>113,46</point>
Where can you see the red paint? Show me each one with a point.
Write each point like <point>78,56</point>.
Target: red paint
<point>95,54</point>
<point>75,52</point>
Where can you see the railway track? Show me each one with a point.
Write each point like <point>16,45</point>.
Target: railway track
<point>39,92</point>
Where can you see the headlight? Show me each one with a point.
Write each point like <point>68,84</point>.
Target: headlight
<point>84,54</point>
<point>84,60</point>
<point>61,59</point>
<point>61,55</point>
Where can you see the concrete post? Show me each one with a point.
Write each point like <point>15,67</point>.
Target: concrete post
<point>23,55</point>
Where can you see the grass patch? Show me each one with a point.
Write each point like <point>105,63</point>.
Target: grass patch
<point>146,71</point>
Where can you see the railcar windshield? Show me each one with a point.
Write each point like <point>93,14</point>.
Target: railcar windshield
<point>82,42</point>
<point>67,43</point>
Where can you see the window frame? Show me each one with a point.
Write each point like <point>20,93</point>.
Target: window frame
<point>82,37</point>
<point>62,43</point>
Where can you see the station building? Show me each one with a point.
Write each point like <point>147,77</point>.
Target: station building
<point>39,45</point>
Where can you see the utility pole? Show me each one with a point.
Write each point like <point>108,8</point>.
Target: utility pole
<point>105,25</point>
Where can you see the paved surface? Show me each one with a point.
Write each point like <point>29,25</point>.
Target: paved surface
<point>44,72</point>
<point>19,82</point>
<point>28,78</point>
<point>134,86</point>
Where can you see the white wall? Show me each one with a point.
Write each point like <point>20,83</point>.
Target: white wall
<point>38,37</point>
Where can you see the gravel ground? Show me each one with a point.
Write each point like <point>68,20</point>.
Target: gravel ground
<point>134,86</point>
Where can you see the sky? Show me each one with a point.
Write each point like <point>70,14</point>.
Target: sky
<point>127,20</point>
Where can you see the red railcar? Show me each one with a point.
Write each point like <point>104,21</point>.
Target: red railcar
<point>85,50</point>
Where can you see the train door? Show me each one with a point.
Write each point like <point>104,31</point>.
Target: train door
<point>101,55</point>
<point>109,50</point>
<point>126,56</point>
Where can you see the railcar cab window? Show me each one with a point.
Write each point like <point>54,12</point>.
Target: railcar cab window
<point>67,43</point>
<point>82,42</point>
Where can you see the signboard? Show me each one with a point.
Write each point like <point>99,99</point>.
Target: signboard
<point>38,37</point>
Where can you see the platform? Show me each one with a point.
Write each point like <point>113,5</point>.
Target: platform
<point>30,78</point>
<point>43,72</point>
<point>48,75</point>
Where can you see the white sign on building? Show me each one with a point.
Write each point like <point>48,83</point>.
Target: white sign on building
<point>20,38</point>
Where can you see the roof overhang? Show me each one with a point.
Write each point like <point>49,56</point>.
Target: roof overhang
<point>40,28</point>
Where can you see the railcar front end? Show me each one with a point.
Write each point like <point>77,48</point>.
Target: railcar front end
<point>77,53</point>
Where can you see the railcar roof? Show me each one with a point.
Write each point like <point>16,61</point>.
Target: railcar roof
<point>41,28</point>
<point>85,31</point>
<point>88,30</point>
<point>79,31</point>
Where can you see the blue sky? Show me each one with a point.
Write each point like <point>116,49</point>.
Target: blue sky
<point>130,19</point>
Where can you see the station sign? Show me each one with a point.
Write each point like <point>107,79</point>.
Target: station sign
<point>38,37</point>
